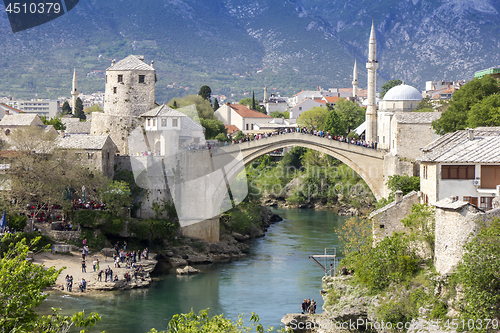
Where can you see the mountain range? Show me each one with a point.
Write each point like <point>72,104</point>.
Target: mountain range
<point>236,46</point>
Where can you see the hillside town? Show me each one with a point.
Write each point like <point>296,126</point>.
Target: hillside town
<point>183,164</point>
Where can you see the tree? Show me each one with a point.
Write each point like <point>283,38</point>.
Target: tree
<point>388,85</point>
<point>21,291</point>
<point>350,115</point>
<point>66,109</point>
<point>278,114</point>
<point>54,121</point>
<point>205,92</point>
<point>314,118</point>
<point>459,110</point>
<point>202,323</point>
<point>356,234</point>
<point>251,103</point>
<point>246,101</point>
<point>485,113</point>
<point>404,183</point>
<point>421,223</point>
<point>478,273</point>
<point>117,196</point>
<point>79,110</point>
<point>254,107</point>
<point>216,105</point>
<point>41,172</point>
<point>194,106</point>
<point>213,128</point>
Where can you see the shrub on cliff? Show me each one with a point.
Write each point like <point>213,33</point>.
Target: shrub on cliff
<point>390,261</point>
<point>479,275</point>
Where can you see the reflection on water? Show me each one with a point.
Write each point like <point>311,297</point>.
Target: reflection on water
<point>272,280</point>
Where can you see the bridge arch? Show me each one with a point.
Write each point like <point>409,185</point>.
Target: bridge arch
<point>367,163</point>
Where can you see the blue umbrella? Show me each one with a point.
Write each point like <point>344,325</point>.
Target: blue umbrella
<point>3,222</point>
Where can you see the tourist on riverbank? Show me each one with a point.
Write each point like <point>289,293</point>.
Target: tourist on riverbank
<point>83,285</point>
<point>304,306</point>
<point>99,276</point>
<point>84,266</point>
<point>312,307</point>
<point>94,262</point>
<point>97,264</point>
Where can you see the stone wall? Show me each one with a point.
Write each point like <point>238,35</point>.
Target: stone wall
<point>428,185</point>
<point>117,127</point>
<point>63,236</point>
<point>387,220</point>
<point>454,228</point>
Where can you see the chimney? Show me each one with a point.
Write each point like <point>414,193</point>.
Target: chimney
<point>399,195</point>
<point>113,62</point>
<point>7,112</point>
<point>152,63</point>
<point>470,132</point>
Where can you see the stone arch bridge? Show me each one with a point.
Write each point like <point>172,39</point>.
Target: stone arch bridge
<point>366,162</point>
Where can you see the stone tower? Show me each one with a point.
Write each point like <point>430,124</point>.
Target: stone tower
<point>371,111</point>
<point>74,91</point>
<point>130,91</point>
<point>355,80</point>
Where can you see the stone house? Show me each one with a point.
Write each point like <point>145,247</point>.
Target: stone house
<point>463,164</point>
<point>456,223</point>
<point>241,117</point>
<point>12,121</point>
<point>97,151</point>
<point>8,110</point>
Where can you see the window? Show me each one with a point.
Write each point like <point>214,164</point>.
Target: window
<point>174,123</point>
<point>300,108</point>
<point>485,203</point>
<point>424,171</point>
<point>252,127</point>
<point>114,90</point>
<point>149,121</point>
<point>106,79</point>
<point>467,199</point>
<point>425,199</point>
<point>141,78</point>
<point>154,122</point>
<point>490,176</point>
<point>163,122</point>
<point>90,156</point>
<point>247,127</point>
<point>120,78</point>
<point>458,171</point>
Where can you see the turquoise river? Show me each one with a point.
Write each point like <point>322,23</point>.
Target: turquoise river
<point>272,280</point>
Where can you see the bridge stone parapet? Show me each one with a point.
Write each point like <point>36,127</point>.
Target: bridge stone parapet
<point>367,162</point>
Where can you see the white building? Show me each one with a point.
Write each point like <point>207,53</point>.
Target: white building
<point>306,105</point>
<point>41,107</point>
<point>240,116</point>
<point>464,164</point>
<point>167,130</point>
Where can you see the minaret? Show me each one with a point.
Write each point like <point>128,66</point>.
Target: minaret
<point>355,80</point>
<point>371,111</point>
<point>265,95</point>
<point>74,91</point>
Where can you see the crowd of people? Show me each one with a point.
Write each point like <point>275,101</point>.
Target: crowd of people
<point>308,306</point>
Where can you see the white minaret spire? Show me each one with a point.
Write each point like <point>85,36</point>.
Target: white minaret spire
<point>265,94</point>
<point>355,80</point>
<point>371,66</point>
<point>74,91</point>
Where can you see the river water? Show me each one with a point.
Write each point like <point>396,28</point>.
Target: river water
<point>272,280</point>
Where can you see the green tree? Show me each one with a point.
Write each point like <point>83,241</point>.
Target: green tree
<point>425,105</point>
<point>216,105</point>
<point>294,157</point>
<point>278,114</point>
<point>254,107</point>
<point>333,124</point>
<point>388,85</point>
<point>404,183</point>
<point>54,121</point>
<point>478,273</point>
<point>350,115</point>
<point>246,102</point>
<point>202,323</point>
<point>194,106</point>
<point>356,234</point>
<point>79,110</point>
<point>21,291</point>
<point>421,223</point>
<point>117,196</point>
<point>205,92</point>
<point>66,109</point>
<point>456,115</point>
<point>314,118</point>
<point>213,128</point>
<point>485,113</point>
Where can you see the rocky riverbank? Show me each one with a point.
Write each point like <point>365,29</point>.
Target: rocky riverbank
<point>232,245</point>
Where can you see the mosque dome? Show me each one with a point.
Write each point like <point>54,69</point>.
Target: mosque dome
<point>403,92</point>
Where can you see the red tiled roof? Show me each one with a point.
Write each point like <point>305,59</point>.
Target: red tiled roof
<point>231,129</point>
<point>332,99</point>
<point>10,107</point>
<point>246,112</point>
<point>319,100</point>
